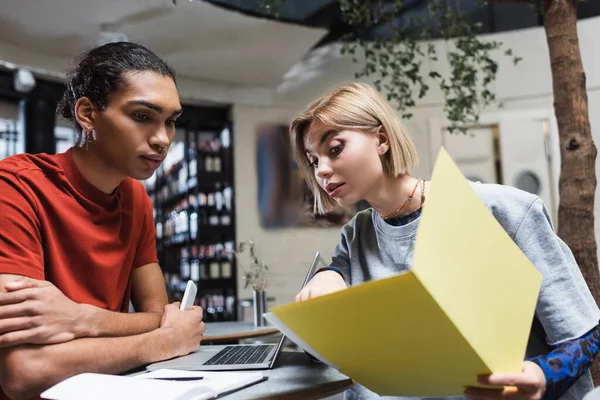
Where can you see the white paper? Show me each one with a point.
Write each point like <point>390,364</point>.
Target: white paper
<point>223,382</point>
<point>101,387</point>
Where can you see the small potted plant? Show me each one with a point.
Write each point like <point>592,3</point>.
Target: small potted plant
<point>256,276</point>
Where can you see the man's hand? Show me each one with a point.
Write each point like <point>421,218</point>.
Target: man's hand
<point>183,328</point>
<point>37,312</point>
<point>322,283</point>
<point>529,384</point>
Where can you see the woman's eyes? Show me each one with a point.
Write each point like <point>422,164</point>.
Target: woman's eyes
<point>336,150</point>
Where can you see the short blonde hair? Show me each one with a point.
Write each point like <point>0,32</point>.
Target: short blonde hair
<point>356,106</point>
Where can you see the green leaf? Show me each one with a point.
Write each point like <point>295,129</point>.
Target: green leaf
<point>434,75</point>
<point>394,63</point>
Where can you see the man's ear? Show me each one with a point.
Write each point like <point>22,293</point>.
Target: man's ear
<point>383,141</point>
<point>84,112</point>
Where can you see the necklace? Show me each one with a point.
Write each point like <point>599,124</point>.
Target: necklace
<point>405,203</point>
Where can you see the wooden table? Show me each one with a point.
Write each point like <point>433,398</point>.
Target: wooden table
<point>236,330</point>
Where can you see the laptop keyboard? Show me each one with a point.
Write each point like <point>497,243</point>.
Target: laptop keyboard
<point>250,354</point>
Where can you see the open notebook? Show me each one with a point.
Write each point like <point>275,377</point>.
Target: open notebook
<point>159,385</point>
<point>465,308</point>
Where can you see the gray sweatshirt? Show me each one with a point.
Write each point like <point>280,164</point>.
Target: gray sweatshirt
<point>372,249</point>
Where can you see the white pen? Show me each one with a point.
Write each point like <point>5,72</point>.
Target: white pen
<point>189,296</point>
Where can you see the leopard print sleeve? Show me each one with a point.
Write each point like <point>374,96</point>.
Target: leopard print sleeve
<point>567,362</point>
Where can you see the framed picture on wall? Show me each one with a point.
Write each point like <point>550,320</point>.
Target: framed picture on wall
<point>284,198</point>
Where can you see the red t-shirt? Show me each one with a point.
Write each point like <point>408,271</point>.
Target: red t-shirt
<point>57,226</point>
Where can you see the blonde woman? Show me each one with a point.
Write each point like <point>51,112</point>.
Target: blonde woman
<point>351,146</point>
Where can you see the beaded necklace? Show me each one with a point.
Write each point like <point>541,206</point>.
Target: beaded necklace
<point>408,218</point>
<point>392,215</point>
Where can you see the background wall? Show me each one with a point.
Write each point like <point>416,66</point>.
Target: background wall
<point>287,252</point>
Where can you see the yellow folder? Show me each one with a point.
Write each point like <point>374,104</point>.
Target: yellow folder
<point>465,308</point>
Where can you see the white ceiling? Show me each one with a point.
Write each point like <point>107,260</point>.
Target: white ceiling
<point>199,40</point>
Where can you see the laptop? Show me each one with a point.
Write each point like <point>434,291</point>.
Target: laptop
<point>232,357</point>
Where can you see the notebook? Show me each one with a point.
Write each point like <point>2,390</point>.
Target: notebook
<point>159,385</point>
<point>465,307</point>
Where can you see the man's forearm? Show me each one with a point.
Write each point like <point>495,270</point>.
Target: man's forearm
<point>29,370</point>
<point>96,322</point>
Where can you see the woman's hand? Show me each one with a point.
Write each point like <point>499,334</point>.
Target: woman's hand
<point>324,282</point>
<point>529,384</point>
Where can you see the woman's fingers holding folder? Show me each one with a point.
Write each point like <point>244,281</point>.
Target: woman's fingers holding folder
<point>529,384</point>
<point>322,283</point>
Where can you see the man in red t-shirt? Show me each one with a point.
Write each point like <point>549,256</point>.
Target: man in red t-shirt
<point>77,238</point>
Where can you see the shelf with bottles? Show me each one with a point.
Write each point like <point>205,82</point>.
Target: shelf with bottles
<point>207,184</point>
<point>206,262</point>
<point>203,216</point>
<point>194,212</point>
<point>203,160</point>
<point>210,154</point>
<point>211,267</point>
<point>218,304</point>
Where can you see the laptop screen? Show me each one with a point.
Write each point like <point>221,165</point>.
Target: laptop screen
<point>309,274</point>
